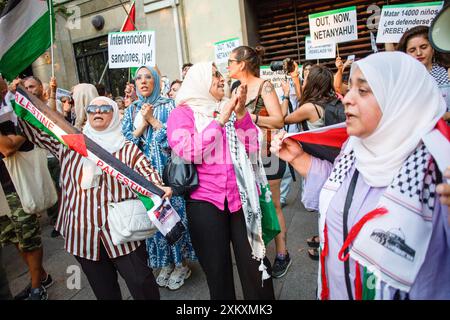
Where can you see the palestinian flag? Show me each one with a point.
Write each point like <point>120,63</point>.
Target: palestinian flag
<point>25,34</point>
<point>130,25</point>
<point>324,143</point>
<point>35,112</point>
<point>130,21</point>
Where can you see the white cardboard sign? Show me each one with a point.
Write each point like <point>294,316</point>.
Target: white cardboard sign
<point>334,26</point>
<point>131,49</point>
<point>397,19</point>
<point>326,51</point>
<point>222,49</point>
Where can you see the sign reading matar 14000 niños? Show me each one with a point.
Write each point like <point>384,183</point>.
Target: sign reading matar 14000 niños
<point>131,49</point>
<point>333,26</point>
<point>397,19</point>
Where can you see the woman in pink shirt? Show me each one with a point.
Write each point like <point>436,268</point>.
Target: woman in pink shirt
<point>220,138</point>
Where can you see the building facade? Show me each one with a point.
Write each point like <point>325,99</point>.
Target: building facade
<point>186,31</point>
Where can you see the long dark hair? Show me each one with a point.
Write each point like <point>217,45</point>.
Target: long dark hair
<point>251,56</point>
<point>422,31</point>
<point>319,87</point>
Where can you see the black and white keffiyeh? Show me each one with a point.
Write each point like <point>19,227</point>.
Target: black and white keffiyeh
<point>439,74</point>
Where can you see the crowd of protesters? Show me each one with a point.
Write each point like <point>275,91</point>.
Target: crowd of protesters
<point>381,201</point>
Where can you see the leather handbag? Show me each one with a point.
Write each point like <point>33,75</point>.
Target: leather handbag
<point>180,176</point>
<point>128,221</point>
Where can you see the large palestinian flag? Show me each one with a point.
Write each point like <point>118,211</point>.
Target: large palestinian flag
<point>35,112</point>
<point>24,34</point>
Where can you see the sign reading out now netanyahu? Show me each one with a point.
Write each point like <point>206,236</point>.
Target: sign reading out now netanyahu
<point>333,26</point>
<point>395,20</point>
<point>131,49</point>
<point>326,51</point>
<point>222,49</point>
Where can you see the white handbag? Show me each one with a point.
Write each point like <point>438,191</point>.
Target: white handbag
<point>129,221</point>
<point>32,181</point>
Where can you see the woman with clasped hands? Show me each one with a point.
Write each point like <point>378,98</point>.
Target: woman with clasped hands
<point>219,137</point>
<point>383,232</point>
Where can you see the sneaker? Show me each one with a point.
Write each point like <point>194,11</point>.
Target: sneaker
<point>164,275</point>
<point>25,293</point>
<point>55,233</point>
<point>281,266</point>
<point>178,276</point>
<point>38,294</point>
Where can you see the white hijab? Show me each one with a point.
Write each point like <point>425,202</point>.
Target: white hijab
<point>110,139</point>
<point>195,93</point>
<point>411,104</point>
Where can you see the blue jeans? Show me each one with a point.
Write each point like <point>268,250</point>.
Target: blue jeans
<point>285,185</point>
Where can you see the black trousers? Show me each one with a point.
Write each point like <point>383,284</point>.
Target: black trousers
<point>102,275</point>
<point>211,232</point>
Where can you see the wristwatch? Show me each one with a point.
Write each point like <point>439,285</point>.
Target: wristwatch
<point>284,97</point>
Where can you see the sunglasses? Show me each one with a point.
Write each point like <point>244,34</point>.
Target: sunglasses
<point>230,61</point>
<point>102,109</point>
<point>142,77</point>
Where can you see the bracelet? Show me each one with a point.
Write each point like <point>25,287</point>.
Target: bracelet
<point>284,98</point>
<point>256,120</point>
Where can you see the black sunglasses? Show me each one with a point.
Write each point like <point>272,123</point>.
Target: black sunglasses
<point>102,109</point>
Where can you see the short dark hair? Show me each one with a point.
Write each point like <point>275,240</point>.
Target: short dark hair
<point>176,81</point>
<point>188,64</point>
<point>33,78</point>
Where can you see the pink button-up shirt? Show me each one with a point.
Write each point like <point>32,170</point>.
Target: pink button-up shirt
<point>209,151</point>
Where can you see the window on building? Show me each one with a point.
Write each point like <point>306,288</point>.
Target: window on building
<point>91,57</point>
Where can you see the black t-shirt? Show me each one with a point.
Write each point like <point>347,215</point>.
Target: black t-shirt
<point>8,128</point>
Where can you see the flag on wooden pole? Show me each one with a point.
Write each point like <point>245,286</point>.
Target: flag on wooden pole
<point>25,34</point>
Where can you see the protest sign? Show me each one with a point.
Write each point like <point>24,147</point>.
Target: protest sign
<point>397,19</point>
<point>222,49</point>
<point>131,49</point>
<point>273,76</point>
<point>62,93</point>
<point>326,51</point>
<point>334,26</point>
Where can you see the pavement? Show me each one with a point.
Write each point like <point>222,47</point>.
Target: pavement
<point>299,283</point>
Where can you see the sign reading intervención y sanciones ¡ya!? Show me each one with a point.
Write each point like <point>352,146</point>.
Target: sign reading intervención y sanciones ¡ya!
<point>222,49</point>
<point>131,49</point>
<point>333,26</point>
<point>397,19</point>
<point>326,51</point>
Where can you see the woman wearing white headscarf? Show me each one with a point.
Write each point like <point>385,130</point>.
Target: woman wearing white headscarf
<point>87,191</point>
<point>82,94</point>
<point>384,233</point>
<point>218,136</point>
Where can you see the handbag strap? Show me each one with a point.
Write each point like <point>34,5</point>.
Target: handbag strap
<point>348,202</point>
<point>258,95</point>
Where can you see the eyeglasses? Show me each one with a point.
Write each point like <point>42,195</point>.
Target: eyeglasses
<point>230,61</point>
<point>101,109</point>
<point>217,74</point>
<point>141,77</point>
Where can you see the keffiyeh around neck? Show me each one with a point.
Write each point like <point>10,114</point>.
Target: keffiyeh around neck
<point>195,93</point>
<point>411,104</point>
